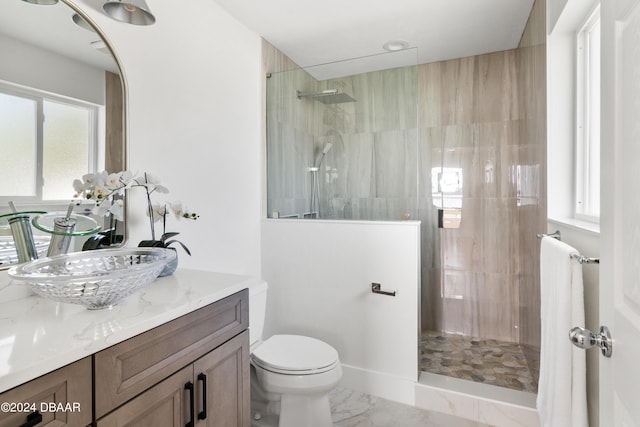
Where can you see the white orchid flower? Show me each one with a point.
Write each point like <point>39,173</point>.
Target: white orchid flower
<point>117,210</point>
<point>158,211</point>
<point>100,194</point>
<point>153,184</point>
<point>181,211</point>
<point>89,179</point>
<point>113,181</point>
<point>101,210</point>
<point>79,187</point>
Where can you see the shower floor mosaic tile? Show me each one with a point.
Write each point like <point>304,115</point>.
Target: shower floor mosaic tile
<point>481,360</point>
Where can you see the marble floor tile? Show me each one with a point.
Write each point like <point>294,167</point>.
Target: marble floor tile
<point>355,409</point>
<point>486,361</point>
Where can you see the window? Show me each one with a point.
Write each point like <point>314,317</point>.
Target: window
<point>588,120</point>
<point>47,142</point>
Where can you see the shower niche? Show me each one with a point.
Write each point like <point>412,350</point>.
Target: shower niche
<point>342,140</point>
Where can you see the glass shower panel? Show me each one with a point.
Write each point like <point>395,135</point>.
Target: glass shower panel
<point>342,140</point>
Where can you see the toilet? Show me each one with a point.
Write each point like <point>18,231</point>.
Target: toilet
<point>291,375</point>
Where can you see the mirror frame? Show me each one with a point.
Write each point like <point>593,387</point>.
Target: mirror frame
<point>125,123</point>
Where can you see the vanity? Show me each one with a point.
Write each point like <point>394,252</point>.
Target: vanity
<point>174,354</point>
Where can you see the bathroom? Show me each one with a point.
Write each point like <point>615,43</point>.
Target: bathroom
<point>207,99</point>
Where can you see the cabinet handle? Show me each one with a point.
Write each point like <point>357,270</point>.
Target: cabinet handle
<point>192,411</point>
<point>32,419</point>
<point>203,414</point>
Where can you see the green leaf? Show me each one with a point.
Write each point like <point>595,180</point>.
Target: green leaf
<point>168,235</point>
<point>152,244</point>
<point>180,243</point>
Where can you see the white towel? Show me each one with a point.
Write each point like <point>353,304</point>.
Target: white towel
<point>562,394</point>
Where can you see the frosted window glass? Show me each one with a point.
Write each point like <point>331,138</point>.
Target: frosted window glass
<point>18,141</point>
<point>66,148</point>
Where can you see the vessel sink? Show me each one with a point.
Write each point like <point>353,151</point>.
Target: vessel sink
<point>95,279</point>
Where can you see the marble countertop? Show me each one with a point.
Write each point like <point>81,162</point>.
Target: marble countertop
<point>38,336</point>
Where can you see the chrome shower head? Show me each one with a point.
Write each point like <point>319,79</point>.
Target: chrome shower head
<point>329,96</point>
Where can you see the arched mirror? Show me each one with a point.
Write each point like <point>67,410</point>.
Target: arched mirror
<point>62,106</point>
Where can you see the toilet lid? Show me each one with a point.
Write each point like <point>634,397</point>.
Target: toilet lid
<point>295,354</point>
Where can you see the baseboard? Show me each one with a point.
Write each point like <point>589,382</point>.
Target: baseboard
<point>390,387</point>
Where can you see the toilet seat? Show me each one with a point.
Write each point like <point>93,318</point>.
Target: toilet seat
<point>295,355</point>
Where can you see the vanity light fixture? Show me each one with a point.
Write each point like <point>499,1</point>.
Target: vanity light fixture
<point>395,45</point>
<point>130,11</point>
<point>41,2</point>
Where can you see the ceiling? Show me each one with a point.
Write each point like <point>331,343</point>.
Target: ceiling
<point>319,32</point>
<point>52,28</point>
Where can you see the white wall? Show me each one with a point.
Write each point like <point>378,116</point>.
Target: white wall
<point>194,121</point>
<point>320,274</point>
<point>45,70</point>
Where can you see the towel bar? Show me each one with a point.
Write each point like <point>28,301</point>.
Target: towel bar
<point>585,260</point>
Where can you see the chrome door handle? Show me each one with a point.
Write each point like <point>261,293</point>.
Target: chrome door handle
<point>584,338</point>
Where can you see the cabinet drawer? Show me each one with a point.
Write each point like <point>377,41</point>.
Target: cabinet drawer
<point>62,397</point>
<point>127,369</point>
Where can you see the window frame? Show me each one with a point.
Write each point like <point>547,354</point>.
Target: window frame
<point>586,179</point>
<point>40,97</point>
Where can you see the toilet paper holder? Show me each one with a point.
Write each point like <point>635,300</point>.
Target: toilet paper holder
<point>376,288</point>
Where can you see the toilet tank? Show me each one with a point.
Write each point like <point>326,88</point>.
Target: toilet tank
<point>257,309</point>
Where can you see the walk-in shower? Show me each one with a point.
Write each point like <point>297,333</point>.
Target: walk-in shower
<point>450,144</point>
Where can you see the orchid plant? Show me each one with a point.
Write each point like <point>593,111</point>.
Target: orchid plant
<point>106,190</point>
<point>158,212</point>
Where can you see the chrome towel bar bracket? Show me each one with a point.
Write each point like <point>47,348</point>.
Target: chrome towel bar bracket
<point>376,288</point>
<point>555,235</point>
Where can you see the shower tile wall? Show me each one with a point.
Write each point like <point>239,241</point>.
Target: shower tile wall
<point>371,170</point>
<point>481,279</point>
<point>473,286</point>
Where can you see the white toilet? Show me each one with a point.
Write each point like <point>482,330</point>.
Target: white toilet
<point>291,375</point>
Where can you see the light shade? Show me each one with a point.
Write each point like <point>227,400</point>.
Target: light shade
<point>130,11</point>
<point>80,22</point>
<point>42,2</point>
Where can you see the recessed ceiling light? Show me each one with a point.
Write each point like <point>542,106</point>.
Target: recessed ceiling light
<point>395,45</point>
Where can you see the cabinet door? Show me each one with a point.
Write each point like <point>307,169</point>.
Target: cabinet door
<point>222,385</point>
<point>60,398</point>
<point>167,404</point>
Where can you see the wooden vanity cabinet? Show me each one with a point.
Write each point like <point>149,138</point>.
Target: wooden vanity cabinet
<point>192,369</point>
<point>59,398</point>
<point>212,391</point>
